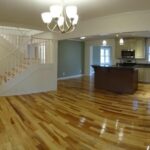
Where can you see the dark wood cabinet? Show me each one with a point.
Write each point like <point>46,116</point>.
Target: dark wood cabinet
<point>116,79</point>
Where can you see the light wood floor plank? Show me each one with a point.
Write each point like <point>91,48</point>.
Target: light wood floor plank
<point>76,117</point>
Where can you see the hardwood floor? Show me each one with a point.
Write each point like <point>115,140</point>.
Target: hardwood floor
<point>76,117</point>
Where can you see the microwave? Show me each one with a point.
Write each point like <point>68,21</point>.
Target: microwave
<point>128,54</point>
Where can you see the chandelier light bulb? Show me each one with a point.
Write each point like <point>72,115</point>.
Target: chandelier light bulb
<point>71,11</point>
<point>46,17</point>
<point>75,21</point>
<point>83,37</point>
<point>60,21</point>
<point>56,11</point>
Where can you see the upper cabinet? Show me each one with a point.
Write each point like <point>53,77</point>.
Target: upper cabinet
<point>137,44</point>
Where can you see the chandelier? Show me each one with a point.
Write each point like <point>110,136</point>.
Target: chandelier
<point>61,19</point>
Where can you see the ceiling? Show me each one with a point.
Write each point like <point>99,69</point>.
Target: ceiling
<point>137,34</point>
<point>26,13</point>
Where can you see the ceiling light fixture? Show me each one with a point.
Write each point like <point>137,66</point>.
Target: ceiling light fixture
<point>104,42</point>
<point>83,37</point>
<point>121,41</point>
<point>117,35</point>
<point>61,19</point>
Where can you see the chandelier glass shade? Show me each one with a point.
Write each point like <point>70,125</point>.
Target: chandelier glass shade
<point>61,19</point>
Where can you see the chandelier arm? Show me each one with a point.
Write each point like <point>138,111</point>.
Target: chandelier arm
<point>59,28</point>
<point>68,24</point>
<point>49,27</point>
<point>52,30</point>
<point>66,21</point>
<point>73,28</point>
<point>69,28</point>
<point>54,27</point>
<point>62,31</point>
<point>65,31</point>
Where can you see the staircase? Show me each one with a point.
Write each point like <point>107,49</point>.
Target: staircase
<point>11,72</point>
<point>16,61</point>
<point>12,63</point>
<point>27,64</point>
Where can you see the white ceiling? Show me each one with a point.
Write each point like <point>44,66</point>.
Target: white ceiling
<point>26,13</point>
<point>137,34</point>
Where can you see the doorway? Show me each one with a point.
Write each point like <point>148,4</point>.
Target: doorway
<point>101,55</point>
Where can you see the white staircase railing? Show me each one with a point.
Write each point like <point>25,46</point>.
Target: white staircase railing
<point>13,64</point>
<point>14,41</point>
<point>15,36</point>
<point>14,61</point>
<point>9,64</point>
<point>11,60</point>
<point>28,52</point>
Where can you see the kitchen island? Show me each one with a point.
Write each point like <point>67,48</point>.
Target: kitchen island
<point>116,79</point>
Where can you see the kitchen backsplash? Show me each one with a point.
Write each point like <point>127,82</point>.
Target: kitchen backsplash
<point>142,61</point>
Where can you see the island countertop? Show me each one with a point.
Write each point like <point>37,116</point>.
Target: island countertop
<point>135,65</point>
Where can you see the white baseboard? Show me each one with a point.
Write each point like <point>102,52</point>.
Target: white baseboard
<point>70,77</point>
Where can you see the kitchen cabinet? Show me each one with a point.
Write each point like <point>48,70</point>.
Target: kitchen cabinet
<point>144,75</point>
<point>140,48</point>
<point>147,75</point>
<point>140,74</point>
<point>137,44</point>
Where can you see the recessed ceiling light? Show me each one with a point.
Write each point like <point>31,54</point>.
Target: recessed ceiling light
<point>83,37</point>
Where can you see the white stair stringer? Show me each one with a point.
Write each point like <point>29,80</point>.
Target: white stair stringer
<point>36,78</point>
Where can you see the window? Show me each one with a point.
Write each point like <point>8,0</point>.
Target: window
<point>105,56</point>
<point>149,54</point>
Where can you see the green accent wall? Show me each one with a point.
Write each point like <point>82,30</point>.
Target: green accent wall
<point>70,58</point>
<point>96,55</point>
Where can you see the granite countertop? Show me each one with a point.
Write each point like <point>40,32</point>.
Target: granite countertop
<point>136,65</point>
<point>129,65</point>
<point>114,66</point>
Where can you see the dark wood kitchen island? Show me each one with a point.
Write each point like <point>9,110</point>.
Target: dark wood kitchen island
<point>116,79</point>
